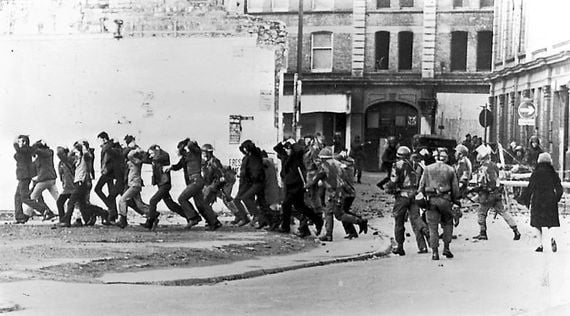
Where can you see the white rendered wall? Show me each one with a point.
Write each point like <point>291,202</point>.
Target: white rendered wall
<point>160,90</point>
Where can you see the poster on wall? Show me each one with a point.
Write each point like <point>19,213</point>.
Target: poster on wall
<point>235,129</point>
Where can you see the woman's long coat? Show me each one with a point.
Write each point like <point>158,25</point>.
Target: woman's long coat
<point>542,195</point>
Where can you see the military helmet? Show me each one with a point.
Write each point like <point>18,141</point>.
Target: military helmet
<point>403,152</point>
<point>207,147</point>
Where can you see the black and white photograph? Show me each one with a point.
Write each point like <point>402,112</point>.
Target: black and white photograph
<point>285,157</point>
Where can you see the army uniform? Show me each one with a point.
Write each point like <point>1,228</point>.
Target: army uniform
<point>491,196</point>
<point>330,174</point>
<point>440,185</point>
<point>403,184</point>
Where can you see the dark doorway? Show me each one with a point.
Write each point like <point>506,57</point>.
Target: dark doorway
<point>388,119</point>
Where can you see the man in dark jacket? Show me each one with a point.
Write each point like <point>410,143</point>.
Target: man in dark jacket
<point>112,173</point>
<point>25,171</point>
<point>45,177</point>
<point>251,193</point>
<point>193,158</point>
<point>293,175</point>
<point>357,153</point>
<point>159,159</point>
<point>388,159</point>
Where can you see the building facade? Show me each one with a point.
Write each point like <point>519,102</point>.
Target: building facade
<point>531,66</point>
<point>380,68</point>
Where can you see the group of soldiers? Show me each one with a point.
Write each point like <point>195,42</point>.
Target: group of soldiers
<point>421,180</point>
<point>318,184</point>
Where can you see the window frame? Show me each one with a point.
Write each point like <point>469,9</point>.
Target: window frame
<point>411,53</point>
<point>405,3</point>
<point>478,63</point>
<point>486,6</point>
<point>280,9</point>
<point>376,50</point>
<point>329,8</point>
<point>383,7</point>
<point>313,48</point>
<point>452,51</point>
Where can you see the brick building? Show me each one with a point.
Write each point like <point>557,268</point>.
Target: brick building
<point>531,65</point>
<point>377,68</point>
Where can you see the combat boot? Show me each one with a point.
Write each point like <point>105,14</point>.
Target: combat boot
<point>482,235</point>
<point>446,252</point>
<point>435,254</point>
<point>326,238</point>
<point>516,232</point>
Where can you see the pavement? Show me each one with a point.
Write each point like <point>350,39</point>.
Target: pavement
<point>367,246</point>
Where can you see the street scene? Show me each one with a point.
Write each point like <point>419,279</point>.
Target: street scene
<point>218,157</point>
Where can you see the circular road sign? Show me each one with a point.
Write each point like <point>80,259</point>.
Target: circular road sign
<point>486,118</point>
<point>526,109</point>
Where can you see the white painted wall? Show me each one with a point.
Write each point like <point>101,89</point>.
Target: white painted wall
<point>160,90</point>
<point>460,114</point>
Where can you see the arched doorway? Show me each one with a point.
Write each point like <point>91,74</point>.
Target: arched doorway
<point>388,119</point>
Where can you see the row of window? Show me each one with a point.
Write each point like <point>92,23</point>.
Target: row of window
<point>322,51</point>
<point>328,5</point>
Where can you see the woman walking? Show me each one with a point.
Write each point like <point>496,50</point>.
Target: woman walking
<point>541,196</point>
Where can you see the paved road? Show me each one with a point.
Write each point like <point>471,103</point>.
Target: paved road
<point>494,277</point>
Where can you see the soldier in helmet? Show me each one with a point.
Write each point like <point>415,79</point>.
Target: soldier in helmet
<point>439,184</point>
<point>214,180</point>
<point>490,196</point>
<point>388,159</point>
<point>463,167</point>
<point>404,184</point>
<point>330,176</point>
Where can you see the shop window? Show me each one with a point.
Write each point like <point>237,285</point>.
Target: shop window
<point>406,3</point>
<point>484,50</point>
<point>457,3</point>
<point>487,3</point>
<point>458,51</point>
<point>400,120</point>
<point>323,5</point>
<point>321,51</point>
<point>280,5</point>
<point>382,3</point>
<point>382,41</point>
<point>405,50</point>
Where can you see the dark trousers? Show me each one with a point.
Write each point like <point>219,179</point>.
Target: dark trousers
<point>406,207</point>
<point>79,197</point>
<point>358,169</point>
<point>110,199</point>
<point>250,196</point>
<point>349,228</point>
<point>335,209</point>
<point>439,212</point>
<point>194,190</point>
<point>61,204</point>
<point>22,195</point>
<point>295,197</point>
<point>163,193</point>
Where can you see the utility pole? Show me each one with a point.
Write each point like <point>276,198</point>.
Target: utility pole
<point>297,78</point>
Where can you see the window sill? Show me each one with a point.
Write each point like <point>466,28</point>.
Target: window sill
<point>320,71</point>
